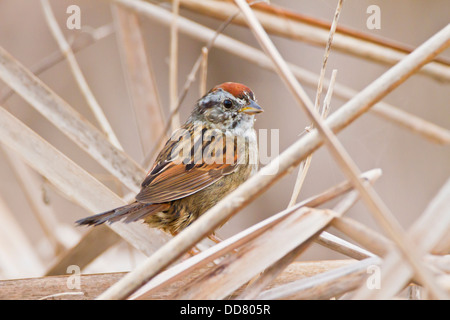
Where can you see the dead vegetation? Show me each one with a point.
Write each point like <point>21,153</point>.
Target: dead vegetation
<point>258,262</point>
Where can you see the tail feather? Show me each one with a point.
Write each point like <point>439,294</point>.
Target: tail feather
<point>128,213</point>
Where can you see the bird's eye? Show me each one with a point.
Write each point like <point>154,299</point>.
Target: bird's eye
<point>227,103</point>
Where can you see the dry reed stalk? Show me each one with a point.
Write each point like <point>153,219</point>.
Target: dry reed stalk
<point>327,101</point>
<point>288,14</point>
<point>426,233</point>
<point>380,245</point>
<point>281,21</point>
<point>380,211</point>
<point>440,262</point>
<point>325,285</point>
<point>432,225</point>
<point>269,274</point>
<point>233,271</point>
<point>70,122</point>
<point>84,252</point>
<point>391,284</point>
<point>17,255</point>
<point>304,166</point>
<point>204,72</point>
<point>85,39</point>
<point>254,186</point>
<point>55,287</point>
<point>363,235</point>
<point>167,277</point>
<point>94,284</point>
<point>139,78</point>
<point>260,281</point>
<point>173,66</point>
<point>327,53</point>
<point>298,270</point>
<point>70,179</point>
<point>342,246</point>
<point>406,120</point>
<point>78,75</point>
<point>337,244</point>
<point>156,14</point>
<point>43,213</point>
<point>73,181</point>
<point>443,247</point>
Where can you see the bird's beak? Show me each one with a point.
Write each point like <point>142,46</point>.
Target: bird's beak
<point>251,108</point>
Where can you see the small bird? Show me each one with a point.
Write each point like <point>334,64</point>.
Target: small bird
<point>208,157</point>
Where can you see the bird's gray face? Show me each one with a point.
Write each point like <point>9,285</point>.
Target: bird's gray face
<point>226,111</point>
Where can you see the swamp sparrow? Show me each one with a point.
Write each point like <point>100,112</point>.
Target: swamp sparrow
<point>207,158</point>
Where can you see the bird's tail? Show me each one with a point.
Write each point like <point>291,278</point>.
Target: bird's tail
<point>128,213</point>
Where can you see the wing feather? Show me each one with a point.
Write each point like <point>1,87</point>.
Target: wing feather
<point>180,177</point>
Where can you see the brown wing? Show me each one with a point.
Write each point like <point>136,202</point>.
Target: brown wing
<point>193,165</point>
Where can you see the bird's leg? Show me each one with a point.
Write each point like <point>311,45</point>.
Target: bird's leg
<point>211,237</point>
<point>214,238</point>
<point>194,250</point>
<point>217,240</point>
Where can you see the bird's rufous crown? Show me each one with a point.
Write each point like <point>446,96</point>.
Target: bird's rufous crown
<point>236,89</point>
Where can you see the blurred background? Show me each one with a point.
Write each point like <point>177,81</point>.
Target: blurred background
<point>413,168</point>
